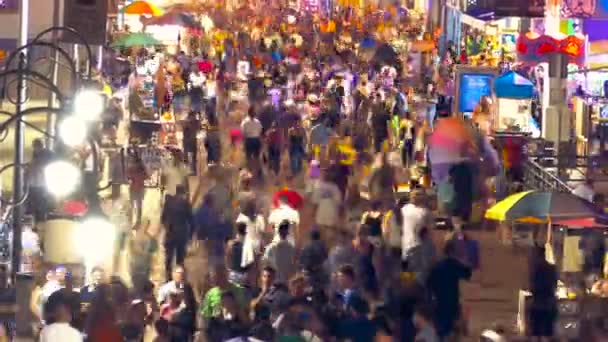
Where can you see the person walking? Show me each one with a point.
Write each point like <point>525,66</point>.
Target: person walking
<point>253,243</point>
<point>297,151</point>
<point>281,255</point>
<point>189,140</point>
<point>179,224</point>
<point>379,121</point>
<point>137,175</point>
<point>252,131</point>
<point>237,273</point>
<point>273,143</point>
<point>444,288</point>
<point>543,307</point>
<point>406,135</point>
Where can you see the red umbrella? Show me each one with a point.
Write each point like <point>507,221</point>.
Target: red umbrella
<point>75,208</point>
<point>294,199</point>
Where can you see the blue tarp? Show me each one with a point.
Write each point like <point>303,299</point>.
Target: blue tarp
<point>514,86</point>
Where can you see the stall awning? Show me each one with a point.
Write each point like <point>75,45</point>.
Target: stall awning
<point>513,85</point>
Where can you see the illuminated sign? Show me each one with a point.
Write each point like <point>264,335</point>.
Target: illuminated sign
<point>472,87</point>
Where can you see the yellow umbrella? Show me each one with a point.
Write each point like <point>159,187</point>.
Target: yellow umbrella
<point>531,219</point>
<point>499,210</point>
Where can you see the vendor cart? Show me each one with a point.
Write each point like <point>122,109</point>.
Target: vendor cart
<point>153,157</point>
<point>577,248</point>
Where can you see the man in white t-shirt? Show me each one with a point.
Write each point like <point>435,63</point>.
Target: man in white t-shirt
<point>284,212</point>
<point>252,129</point>
<point>415,217</point>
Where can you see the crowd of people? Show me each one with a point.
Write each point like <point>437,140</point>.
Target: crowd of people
<point>343,253</point>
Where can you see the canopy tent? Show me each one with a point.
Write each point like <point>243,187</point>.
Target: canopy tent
<point>514,86</point>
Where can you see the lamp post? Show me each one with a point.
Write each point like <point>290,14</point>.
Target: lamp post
<point>18,176</point>
<point>85,106</point>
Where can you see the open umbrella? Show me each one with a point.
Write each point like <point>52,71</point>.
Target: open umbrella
<point>173,18</point>
<point>136,39</point>
<point>587,222</point>
<point>450,133</point>
<point>294,199</point>
<point>544,205</point>
<point>142,8</point>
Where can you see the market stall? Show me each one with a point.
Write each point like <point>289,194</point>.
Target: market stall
<point>513,112</point>
<point>577,248</point>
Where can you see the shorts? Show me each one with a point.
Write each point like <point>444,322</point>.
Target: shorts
<point>253,146</point>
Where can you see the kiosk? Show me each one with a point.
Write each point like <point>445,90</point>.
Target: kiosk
<point>514,101</point>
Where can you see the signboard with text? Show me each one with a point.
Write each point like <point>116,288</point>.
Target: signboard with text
<point>89,18</point>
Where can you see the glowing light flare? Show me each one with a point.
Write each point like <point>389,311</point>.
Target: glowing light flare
<point>89,105</point>
<point>62,178</point>
<point>72,131</point>
<point>95,239</point>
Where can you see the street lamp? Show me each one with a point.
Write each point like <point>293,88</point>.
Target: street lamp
<point>72,131</point>
<point>89,105</point>
<point>62,178</point>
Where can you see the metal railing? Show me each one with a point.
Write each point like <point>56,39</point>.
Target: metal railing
<point>539,178</point>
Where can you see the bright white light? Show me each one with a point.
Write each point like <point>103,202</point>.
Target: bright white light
<point>95,238</point>
<point>89,105</point>
<point>73,131</point>
<point>62,178</point>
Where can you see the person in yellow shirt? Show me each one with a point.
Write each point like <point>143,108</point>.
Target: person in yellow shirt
<point>406,136</point>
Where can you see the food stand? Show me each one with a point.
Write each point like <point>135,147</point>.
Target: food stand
<point>513,112</point>
<point>570,245</point>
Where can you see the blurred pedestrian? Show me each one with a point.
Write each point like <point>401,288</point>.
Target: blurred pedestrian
<point>281,254</point>
<point>59,316</point>
<point>178,221</point>
<point>543,305</point>
<point>137,175</point>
